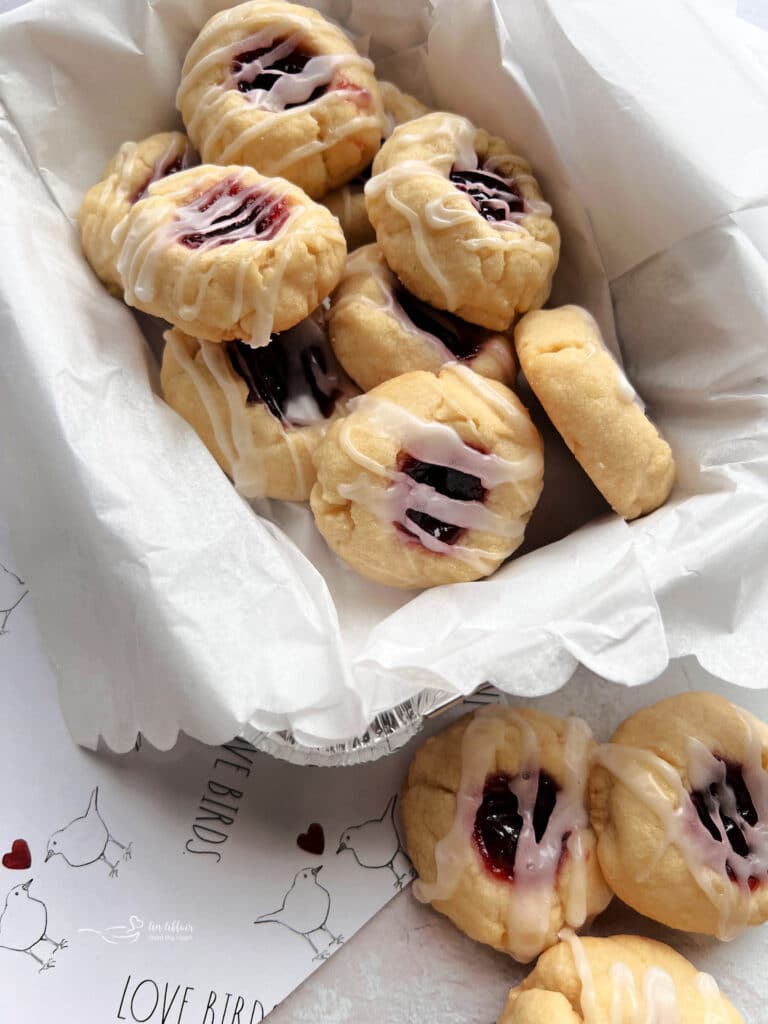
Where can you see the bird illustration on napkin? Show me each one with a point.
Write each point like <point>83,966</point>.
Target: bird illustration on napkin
<point>24,924</point>
<point>305,911</point>
<point>376,844</point>
<point>85,840</point>
<point>13,590</point>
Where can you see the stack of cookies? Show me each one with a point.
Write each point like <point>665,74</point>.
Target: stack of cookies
<point>522,829</point>
<point>379,386</point>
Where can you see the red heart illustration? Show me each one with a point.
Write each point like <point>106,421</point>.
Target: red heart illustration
<point>19,859</point>
<point>313,840</point>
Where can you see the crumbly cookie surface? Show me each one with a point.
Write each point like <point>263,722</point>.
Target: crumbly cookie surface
<point>595,409</point>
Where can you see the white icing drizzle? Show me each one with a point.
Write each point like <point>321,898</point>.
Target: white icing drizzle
<point>715,1008</point>
<point>659,1002</point>
<point>531,893</point>
<point>144,241</point>
<point>623,994</point>
<point>214,107</point>
<point>386,182</point>
<point>222,430</point>
<point>189,158</point>
<point>588,994</point>
<point>709,861</point>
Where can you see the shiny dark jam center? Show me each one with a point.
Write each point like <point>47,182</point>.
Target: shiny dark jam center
<point>498,822</point>
<point>494,198</point>
<point>292,64</point>
<point>453,483</point>
<point>460,338</point>
<point>709,807</point>
<point>280,371</point>
<point>257,211</point>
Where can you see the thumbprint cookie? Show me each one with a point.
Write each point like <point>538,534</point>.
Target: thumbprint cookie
<point>430,479</point>
<point>496,822</point>
<point>595,409</point>
<point>276,86</point>
<point>224,253</point>
<point>680,808</point>
<point>461,220</point>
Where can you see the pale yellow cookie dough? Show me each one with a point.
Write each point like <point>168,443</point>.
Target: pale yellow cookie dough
<point>264,455</point>
<point>399,106</point>
<point>518,917</point>
<point>619,980</point>
<point>125,180</point>
<point>364,501</point>
<point>590,401</point>
<point>379,330</point>
<point>348,202</point>
<point>437,241</point>
<point>317,143</point>
<point>249,284</point>
<point>654,849</point>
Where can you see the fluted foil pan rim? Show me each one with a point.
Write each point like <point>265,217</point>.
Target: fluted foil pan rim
<point>387,732</point>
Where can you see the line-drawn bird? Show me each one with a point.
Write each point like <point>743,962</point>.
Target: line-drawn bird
<point>376,844</point>
<point>13,590</point>
<point>24,923</point>
<point>84,840</point>
<point>117,933</point>
<point>305,910</point>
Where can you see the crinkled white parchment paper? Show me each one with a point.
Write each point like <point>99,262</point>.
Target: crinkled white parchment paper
<point>167,605</point>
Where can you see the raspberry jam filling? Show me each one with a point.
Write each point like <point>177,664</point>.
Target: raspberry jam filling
<point>499,821</point>
<point>265,67</point>
<point>295,376</point>
<point>461,340</point>
<point>496,199</point>
<point>229,212</point>
<point>452,483</point>
<point>726,810</point>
